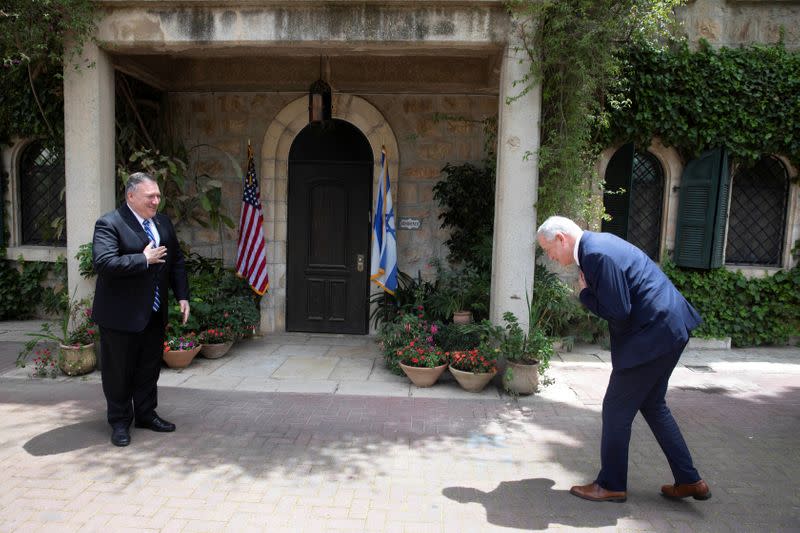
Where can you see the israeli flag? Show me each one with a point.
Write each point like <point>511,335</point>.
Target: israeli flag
<point>383,267</point>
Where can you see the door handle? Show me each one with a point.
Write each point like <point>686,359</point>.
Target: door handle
<point>360,262</point>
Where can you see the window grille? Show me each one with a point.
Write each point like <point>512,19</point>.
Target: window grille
<point>647,198</point>
<point>757,220</point>
<point>41,186</point>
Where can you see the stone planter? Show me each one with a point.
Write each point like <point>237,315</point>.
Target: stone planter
<point>462,317</point>
<point>521,378</point>
<point>180,358</point>
<point>77,360</point>
<point>471,381</point>
<point>215,351</point>
<point>423,376</point>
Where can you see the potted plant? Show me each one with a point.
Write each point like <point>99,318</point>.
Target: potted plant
<point>475,368</point>
<point>75,334</point>
<point>422,362</point>
<point>215,342</point>
<point>180,350</point>
<point>44,364</point>
<point>456,294</point>
<point>409,325</point>
<point>526,355</point>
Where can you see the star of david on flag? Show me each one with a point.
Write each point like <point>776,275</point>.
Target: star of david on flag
<point>383,267</point>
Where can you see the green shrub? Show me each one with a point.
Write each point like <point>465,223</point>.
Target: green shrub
<point>219,299</point>
<point>23,288</point>
<point>749,311</point>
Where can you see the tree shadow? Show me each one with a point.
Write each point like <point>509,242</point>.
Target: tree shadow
<point>244,436</point>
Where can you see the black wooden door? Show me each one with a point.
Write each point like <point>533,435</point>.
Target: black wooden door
<point>328,246</point>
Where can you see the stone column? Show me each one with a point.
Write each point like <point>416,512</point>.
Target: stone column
<point>89,153</point>
<point>516,188</point>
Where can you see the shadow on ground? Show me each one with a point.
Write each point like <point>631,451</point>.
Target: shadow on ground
<point>68,438</point>
<point>239,436</point>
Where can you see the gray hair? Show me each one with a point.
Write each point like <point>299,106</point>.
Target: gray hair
<point>556,224</point>
<point>135,179</point>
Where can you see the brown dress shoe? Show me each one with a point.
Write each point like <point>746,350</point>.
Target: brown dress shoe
<point>596,493</point>
<point>698,490</point>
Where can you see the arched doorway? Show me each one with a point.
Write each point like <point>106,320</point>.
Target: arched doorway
<point>328,229</point>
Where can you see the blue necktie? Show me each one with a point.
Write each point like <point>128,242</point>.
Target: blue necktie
<point>156,300</point>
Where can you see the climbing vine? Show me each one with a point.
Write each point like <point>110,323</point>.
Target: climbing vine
<point>744,99</point>
<point>32,48</point>
<point>572,47</point>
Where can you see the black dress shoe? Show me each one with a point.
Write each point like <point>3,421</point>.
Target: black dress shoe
<point>155,423</point>
<point>120,436</point>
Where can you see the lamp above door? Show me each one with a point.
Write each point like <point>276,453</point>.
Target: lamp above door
<point>319,99</point>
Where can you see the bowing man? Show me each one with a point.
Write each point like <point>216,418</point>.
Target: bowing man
<point>649,323</point>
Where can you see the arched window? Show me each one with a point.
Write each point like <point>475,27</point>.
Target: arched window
<point>41,195</point>
<point>757,220</point>
<point>634,198</point>
<point>647,199</point>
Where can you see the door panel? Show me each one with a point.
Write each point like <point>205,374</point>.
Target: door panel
<point>328,227</point>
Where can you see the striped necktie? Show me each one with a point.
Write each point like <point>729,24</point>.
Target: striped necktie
<point>156,300</point>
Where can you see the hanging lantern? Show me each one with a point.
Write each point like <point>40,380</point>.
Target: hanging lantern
<point>319,101</point>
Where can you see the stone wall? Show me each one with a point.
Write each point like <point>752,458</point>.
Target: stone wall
<point>215,128</point>
<point>739,22</point>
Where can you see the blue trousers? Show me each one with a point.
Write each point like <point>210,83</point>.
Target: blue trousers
<point>641,388</point>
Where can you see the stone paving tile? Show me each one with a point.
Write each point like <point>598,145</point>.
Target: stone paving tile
<point>370,388</point>
<point>310,350</point>
<point>301,367</point>
<point>352,369</point>
<point>274,461</point>
<point>213,382</point>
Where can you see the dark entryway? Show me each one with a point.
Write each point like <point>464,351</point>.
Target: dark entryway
<point>327,271</point>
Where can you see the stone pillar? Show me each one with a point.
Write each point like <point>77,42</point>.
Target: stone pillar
<point>89,153</point>
<point>516,188</point>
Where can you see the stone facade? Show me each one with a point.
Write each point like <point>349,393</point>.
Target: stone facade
<point>739,22</point>
<point>215,128</point>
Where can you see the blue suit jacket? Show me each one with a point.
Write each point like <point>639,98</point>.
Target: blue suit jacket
<point>647,316</point>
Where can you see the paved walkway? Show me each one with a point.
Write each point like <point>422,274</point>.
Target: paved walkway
<point>311,433</point>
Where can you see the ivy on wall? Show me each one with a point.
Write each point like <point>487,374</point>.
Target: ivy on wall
<point>744,99</point>
<point>750,311</point>
<point>572,47</point>
<point>32,48</point>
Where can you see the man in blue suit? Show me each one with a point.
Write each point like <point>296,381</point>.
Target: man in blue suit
<point>649,322</point>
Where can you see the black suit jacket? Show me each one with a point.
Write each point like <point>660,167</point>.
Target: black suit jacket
<point>647,316</point>
<point>123,298</point>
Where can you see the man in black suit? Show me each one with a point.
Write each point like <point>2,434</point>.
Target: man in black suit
<point>649,322</point>
<point>137,259</point>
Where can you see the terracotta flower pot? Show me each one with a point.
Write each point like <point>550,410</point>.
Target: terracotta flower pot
<point>77,360</point>
<point>462,317</point>
<point>471,381</point>
<point>521,378</point>
<point>215,351</point>
<point>180,358</point>
<point>423,376</point>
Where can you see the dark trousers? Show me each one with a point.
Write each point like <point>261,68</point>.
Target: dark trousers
<point>641,388</point>
<point>131,363</point>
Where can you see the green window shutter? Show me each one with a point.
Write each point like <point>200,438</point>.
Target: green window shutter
<point>619,175</point>
<point>2,205</point>
<point>721,220</point>
<point>701,215</point>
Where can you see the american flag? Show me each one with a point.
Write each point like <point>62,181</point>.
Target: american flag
<point>251,257</point>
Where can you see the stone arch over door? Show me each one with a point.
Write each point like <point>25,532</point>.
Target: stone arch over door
<point>274,170</point>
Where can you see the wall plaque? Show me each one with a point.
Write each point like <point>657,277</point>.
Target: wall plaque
<point>410,223</point>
